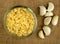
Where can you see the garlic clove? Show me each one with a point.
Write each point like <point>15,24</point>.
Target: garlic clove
<point>47,20</point>
<point>50,6</point>
<point>47,30</point>
<point>49,14</point>
<point>41,34</point>
<point>55,20</point>
<point>42,10</point>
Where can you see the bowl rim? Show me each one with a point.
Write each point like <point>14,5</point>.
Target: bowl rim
<point>30,10</point>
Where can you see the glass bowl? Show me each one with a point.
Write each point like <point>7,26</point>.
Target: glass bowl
<point>35,18</point>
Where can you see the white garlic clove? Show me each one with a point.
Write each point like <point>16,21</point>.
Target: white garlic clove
<point>42,10</point>
<point>49,14</point>
<point>50,6</point>
<point>47,20</point>
<point>41,34</point>
<point>55,20</point>
<point>47,30</point>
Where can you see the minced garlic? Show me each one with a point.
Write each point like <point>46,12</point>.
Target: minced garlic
<point>20,22</point>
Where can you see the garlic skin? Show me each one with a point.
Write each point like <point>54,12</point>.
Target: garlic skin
<point>47,30</point>
<point>49,14</point>
<point>55,20</point>
<point>50,6</point>
<point>47,20</point>
<point>42,10</point>
<point>41,34</point>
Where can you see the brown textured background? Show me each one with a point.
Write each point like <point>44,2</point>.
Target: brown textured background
<point>54,38</point>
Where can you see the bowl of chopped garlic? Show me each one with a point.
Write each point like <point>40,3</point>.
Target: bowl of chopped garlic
<point>20,21</point>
